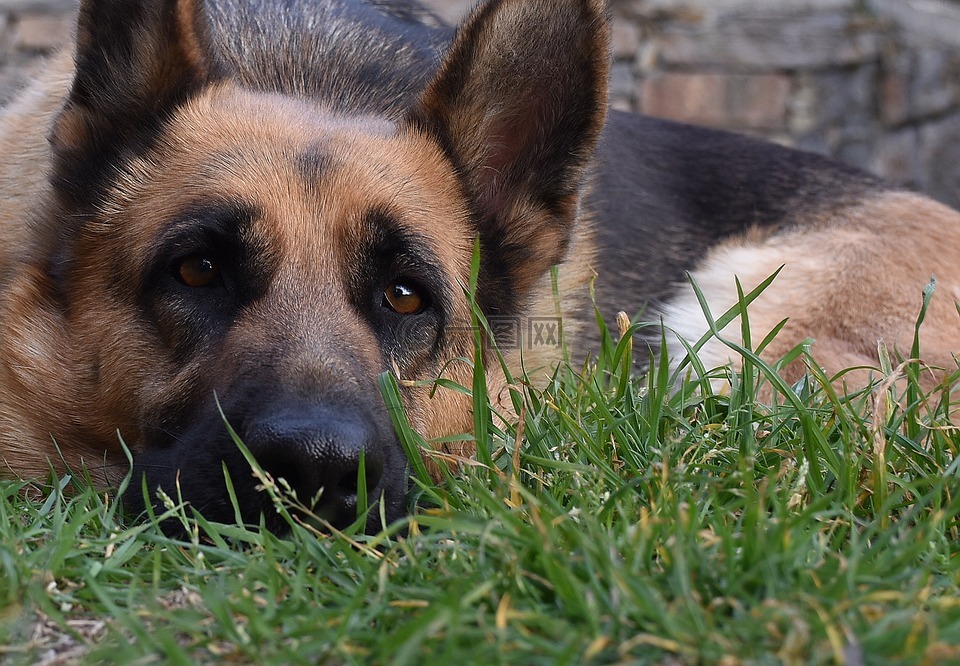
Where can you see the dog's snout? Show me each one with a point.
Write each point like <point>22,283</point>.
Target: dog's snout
<point>318,450</point>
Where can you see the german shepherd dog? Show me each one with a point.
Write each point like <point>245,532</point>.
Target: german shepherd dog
<point>248,210</point>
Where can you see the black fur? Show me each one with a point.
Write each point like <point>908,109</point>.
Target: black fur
<point>664,193</point>
<point>387,251</point>
<point>189,318</point>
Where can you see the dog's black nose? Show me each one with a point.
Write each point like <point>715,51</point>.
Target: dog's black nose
<point>317,449</point>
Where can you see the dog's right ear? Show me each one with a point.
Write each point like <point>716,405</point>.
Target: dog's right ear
<point>135,60</point>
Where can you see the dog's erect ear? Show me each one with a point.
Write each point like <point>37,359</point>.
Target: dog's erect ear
<point>518,105</point>
<point>135,60</point>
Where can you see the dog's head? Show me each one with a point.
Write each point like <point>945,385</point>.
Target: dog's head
<point>223,248</point>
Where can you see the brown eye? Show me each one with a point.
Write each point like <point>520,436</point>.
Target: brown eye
<point>404,298</point>
<point>198,271</point>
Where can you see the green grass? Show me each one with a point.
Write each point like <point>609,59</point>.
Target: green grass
<point>642,520</point>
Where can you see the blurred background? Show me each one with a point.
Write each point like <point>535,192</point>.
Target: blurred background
<point>875,83</point>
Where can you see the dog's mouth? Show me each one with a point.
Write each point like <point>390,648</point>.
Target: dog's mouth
<point>324,464</point>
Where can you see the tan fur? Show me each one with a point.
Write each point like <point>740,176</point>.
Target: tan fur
<point>26,156</point>
<point>852,278</point>
<point>234,139</point>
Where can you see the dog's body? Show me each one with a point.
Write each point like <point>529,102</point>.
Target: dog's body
<point>274,203</point>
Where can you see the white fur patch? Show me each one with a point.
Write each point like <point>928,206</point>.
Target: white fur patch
<point>716,277</point>
<point>851,278</point>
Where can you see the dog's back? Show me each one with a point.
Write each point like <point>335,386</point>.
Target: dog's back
<point>854,253</point>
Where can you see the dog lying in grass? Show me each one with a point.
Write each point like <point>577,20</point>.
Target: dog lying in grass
<point>225,211</point>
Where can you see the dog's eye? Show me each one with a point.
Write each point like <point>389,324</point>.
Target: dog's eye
<point>198,270</point>
<point>404,298</point>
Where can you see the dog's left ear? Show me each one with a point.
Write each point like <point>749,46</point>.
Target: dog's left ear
<point>518,105</point>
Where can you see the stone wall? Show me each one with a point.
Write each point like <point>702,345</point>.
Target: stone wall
<point>875,83</point>
<point>29,29</point>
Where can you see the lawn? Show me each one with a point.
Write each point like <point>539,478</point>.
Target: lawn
<point>630,518</point>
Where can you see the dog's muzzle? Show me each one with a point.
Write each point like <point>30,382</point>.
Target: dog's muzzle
<point>318,451</point>
<point>317,447</point>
